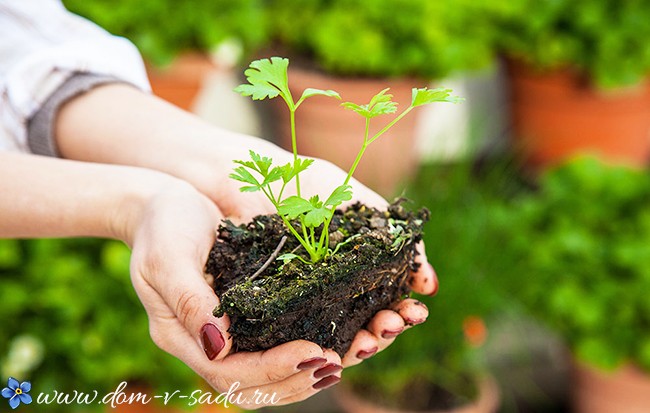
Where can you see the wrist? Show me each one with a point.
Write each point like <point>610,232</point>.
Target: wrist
<point>144,189</point>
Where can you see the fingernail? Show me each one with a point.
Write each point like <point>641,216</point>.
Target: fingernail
<point>391,333</point>
<point>366,354</point>
<point>311,363</point>
<point>326,382</point>
<point>414,322</point>
<point>327,370</point>
<point>213,341</point>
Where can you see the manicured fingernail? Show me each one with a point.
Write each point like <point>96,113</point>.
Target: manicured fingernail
<point>414,322</point>
<point>327,370</point>
<point>391,333</point>
<point>213,341</point>
<point>312,363</point>
<point>366,354</point>
<point>328,381</point>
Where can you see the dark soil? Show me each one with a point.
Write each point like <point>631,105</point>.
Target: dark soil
<point>326,303</point>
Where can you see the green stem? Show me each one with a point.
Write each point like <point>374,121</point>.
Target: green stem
<point>390,125</point>
<point>360,154</point>
<point>305,244</point>
<point>294,146</point>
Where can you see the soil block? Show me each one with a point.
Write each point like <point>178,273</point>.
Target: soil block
<point>326,303</point>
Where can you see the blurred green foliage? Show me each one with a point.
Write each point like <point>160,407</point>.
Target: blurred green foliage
<point>582,247</point>
<point>460,245</point>
<point>72,321</point>
<point>430,39</point>
<point>161,29</point>
<point>606,39</point>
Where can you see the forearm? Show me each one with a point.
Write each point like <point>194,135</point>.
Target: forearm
<point>122,125</point>
<point>45,197</point>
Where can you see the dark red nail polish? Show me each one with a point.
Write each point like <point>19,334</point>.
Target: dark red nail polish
<point>327,370</point>
<point>414,322</point>
<point>328,381</point>
<point>391,333</point>
<point>366,354</point>
<point>311,363</point>
<point>213,341</point>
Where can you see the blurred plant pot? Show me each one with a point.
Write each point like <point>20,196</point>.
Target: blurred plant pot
<point>332,133</point>
<point>558,114</point>
<point>626,390</point>
<point>488,401</point>
<point>181,81</point>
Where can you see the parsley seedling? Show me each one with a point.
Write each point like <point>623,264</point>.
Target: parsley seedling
<point>268,78</point>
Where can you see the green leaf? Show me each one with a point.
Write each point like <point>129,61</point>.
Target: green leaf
<point>241,174</point>
<point>267,79</point>
<point>339,195</point>
<point>290,170</point>
<point>425,96</point>
<point>274,175</point>
<point>315,201</point>
<point>380,104</point>
<point>309,92</point>
<point>286,258</point>
<point>317,216</point>
<point>294,206</point>
<point>263,163</point>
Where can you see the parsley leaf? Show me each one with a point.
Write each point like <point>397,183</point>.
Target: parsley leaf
<point>267,79</point>
<point>424,96</point>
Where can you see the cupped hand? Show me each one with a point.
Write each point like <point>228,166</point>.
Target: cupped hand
<point>171,242</point>
<point>320,178</point>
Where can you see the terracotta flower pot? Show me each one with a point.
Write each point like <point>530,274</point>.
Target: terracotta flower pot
<point>626,390</point>
<point>327,131</point>
<point>488,401</point>
<point>180,82</point>
<point>557,115</point>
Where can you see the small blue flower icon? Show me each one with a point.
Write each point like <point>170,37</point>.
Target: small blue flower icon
<point>17,392</point>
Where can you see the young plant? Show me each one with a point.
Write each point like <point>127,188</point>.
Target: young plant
<point>268,79</point>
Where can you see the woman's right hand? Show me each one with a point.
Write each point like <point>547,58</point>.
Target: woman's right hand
<point>171,238</point>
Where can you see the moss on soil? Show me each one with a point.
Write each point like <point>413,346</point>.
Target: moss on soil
<point>326,303</point>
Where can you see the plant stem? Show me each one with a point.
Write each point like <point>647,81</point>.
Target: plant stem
<point>390,125</point>
<point>294,146</point>
<point>360,154</point>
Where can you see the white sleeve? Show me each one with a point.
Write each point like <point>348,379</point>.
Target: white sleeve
<point>41,46</point>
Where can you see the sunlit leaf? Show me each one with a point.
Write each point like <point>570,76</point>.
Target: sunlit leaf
<point>267,79</point>
<point>294,206</point>
<point>339,195</point>
<point>425,96</point>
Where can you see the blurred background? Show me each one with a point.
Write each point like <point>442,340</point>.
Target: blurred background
<point>537,184</point>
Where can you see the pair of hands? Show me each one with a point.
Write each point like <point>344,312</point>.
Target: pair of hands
<point>172,228</point>
<point>170,244</point>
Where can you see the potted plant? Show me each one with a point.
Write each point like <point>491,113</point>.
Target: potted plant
<point>360,47</point>
<point>583,242</point>
<point>443,366</point>
<point>321,273</point>
<point>578,75</point>
<point>65,304</point>
<point>182,42</point>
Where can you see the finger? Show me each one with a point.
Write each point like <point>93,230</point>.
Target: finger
<point>424,280</point>
<point>273,365</point>
<point>385,326</point>
<point>363,346</point>
<point>412,311</point>
<point>192,301</point>
<point>305,383</point>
